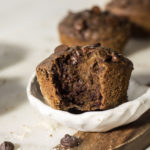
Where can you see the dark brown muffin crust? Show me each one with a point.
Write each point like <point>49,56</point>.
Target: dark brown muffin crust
<point>94,26</point>
<point>84,78</point>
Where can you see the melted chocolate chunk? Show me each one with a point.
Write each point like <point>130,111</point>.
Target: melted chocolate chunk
<point>62,47</point>
<point>97,44</point>
<point>69,141</point>
<point>7,146</point>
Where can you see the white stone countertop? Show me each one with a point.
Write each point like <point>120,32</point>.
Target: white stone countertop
<point>28,34</point>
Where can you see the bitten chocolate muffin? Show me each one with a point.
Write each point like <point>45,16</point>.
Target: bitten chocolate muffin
<point>137,11</point>
<point>84,78</point>
<point>94,26</point>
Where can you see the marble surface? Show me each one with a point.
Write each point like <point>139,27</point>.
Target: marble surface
<point>28,34</point>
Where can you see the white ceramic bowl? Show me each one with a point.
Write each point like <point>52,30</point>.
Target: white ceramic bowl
<point>96,121</point>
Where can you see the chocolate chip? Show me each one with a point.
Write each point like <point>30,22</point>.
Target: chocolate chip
<point>79,24</point>
<point>7,146</point>
<point>107,58</point>
<point>62,47</point>
<point>97,45</point>
<point>69,141</point>
<point>96,10</point>
<point>89,48</point>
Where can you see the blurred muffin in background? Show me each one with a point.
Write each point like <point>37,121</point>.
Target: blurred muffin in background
<point>137,11</point>
<point>93,26</point>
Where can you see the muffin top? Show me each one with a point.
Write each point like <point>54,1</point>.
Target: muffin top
<point>92,25</point>
<point>140,7</point>
<point>107,55</point>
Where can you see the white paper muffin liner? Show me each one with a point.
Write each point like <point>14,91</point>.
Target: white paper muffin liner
<point>95,121</point>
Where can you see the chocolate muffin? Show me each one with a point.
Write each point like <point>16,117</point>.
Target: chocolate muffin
<point>93,26</point>
<point>137,11</point>
<point>84,78</point>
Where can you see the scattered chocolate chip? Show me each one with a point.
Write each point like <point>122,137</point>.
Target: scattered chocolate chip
<point>62,47</point>
<point>69,141</point>
<point>79,24</point>
<point>96,10</point>
<point>7,146</point>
